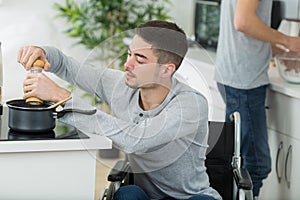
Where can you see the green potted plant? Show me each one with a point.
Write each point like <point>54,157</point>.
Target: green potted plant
<point>94,22</point>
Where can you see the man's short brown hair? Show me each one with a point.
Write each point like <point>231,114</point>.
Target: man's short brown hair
<point>167,39</point>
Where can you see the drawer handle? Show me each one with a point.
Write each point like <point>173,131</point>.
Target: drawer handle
<point>279,150</point>
<point>287,171</point>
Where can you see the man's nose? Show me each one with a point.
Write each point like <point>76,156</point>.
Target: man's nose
<point>129,64</point>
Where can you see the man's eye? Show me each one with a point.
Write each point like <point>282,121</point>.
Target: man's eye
<point>140,62</point>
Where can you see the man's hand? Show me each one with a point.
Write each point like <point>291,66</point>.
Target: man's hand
<point>28,54</point>
<point>41,86</point>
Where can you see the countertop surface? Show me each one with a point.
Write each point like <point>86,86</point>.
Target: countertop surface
<point>276,82</point>
<point>92,143</point>
<point>279,85</point>
<point>84,141</point>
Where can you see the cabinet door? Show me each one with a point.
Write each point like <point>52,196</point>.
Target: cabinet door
<point>283,113</point>
<point>283,183</point>
<point>272,186</point>
<point>292,167</point>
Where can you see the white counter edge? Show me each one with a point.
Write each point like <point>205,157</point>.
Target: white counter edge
<point>92,143</point>
<point>279,85</point>
<point>206,57</point>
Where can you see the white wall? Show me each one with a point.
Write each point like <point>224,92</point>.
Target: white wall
<point>182,12</point>
<point>31,22</point>
<point>291,8</point>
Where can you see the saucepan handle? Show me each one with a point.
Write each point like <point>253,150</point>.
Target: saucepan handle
<point>63,112</point>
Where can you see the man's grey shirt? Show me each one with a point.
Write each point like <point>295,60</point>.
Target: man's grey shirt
<point>242,62</point>
<point>166,146</point>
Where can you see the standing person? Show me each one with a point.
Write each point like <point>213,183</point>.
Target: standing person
<point>243,56</point>
<point>159,122</point>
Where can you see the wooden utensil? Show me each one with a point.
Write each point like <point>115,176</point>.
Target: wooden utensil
<point>59,103</point>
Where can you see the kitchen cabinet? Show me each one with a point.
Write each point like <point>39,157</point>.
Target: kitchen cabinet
<point>49,168</point>
<point>283,182</point>
<point>283,101</point>
<point>47,175</point>
<point>283,113</point>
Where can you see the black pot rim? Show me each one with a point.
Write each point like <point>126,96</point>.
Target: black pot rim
<point>20,104</point>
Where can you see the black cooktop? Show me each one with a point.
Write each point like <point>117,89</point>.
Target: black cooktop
<point>61,131</point>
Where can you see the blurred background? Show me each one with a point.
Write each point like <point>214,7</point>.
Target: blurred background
<point>33,22</point>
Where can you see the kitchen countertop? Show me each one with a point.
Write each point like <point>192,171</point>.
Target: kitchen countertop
<point>279,85</point>
<point>276,82</point>
<point>58,167</point>
<point>92,142</point>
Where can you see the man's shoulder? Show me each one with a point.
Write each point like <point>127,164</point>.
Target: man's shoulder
<point>185,89</point>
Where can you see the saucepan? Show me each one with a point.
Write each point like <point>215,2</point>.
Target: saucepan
<point>24,117</point>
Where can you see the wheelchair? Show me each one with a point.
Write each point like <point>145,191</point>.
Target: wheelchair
<point>223,163</point>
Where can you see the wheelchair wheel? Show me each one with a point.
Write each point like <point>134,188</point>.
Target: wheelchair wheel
<point>113,187</point>
<point>103,194</point>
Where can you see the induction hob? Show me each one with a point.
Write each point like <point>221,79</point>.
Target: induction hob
<point>61,131</point>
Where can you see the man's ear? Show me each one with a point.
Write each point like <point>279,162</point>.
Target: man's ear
<point>168,69</point>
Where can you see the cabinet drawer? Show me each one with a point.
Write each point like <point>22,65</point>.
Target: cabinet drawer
<point>283,114</point>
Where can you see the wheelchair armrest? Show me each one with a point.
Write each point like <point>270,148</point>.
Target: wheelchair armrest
<point>119,171</point>
<point>242,179</point>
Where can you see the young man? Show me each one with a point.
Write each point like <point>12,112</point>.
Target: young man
<point>161,123</point>
<point>243,57</point>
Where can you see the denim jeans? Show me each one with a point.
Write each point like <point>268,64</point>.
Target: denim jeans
<point>254,138</point>
<point>134,192</point>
